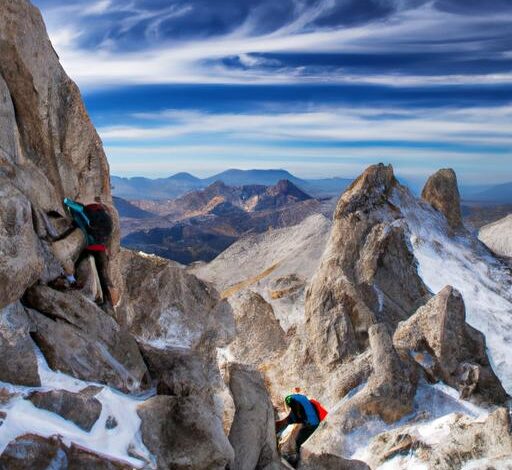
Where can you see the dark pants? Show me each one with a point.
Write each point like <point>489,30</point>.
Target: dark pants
<point>304,434</point>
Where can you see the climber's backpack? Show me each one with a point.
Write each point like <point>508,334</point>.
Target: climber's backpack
<point>100,225</point>
<point>94,220</point>
<point>320,410</point>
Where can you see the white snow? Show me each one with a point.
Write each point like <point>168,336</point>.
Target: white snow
<point>464,263</point>
<point>23,417</point>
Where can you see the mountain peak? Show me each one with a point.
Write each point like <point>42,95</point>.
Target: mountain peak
<point>368,191</point>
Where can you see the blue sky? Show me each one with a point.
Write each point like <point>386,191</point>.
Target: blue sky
<point>319,87</point>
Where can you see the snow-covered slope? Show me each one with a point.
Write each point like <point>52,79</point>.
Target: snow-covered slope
<point>498,236</point>
<point>264,261</point>
<point>464,263</point>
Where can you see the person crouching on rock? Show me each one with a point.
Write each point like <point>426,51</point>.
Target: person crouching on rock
<point>306,412</point>
<point>95,223</point>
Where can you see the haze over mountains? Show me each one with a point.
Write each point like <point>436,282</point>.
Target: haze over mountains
<point>180,183</point>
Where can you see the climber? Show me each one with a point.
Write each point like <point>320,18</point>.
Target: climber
<point>304,411</point>
<point>95,222</point>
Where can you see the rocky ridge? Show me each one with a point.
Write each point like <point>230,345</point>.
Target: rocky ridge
<point>379,343</point>
<point>396,334</point>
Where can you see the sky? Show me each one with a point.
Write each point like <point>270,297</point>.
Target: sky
<point>318,87</point>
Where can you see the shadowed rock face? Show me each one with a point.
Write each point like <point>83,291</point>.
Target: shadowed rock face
<point>20,364</point>
<point>252,433</point>
<point>442,193</point>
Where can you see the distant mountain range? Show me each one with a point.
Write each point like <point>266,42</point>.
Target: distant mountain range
<point>181,183</point>
<point>176,185</point>
<point>498,193</point>
<point>202,223</point>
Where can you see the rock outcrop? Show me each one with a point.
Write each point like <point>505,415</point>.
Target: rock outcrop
<point>79,338</point>
<point>367,274</point>
<point>463,440</point>
<point>450,349</point>
<point>441,191</point>
<point>183,433</point>
<point>16,347</point>
<point>252,433</point>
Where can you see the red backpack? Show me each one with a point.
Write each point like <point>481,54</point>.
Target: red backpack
<point>320,410</point>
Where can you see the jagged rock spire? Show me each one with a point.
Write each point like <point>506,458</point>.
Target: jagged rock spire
<point>442,193</point>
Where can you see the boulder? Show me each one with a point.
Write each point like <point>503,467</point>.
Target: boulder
<point>439,331</point>
<point>253,433</point>
<point>442,193</point>
<point>166,308</point>
<point>68,249</point>
<point>183,433</point>
<point>80,339</point>
<point>259,336</point>
<point>181,372</point>
<point>19,364</point>
<point>41,453</point>
<point>21,260</point>
<point>80,408</point>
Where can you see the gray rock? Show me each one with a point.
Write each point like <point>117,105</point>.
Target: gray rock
<point>18,359</point>
<point>39,453</point>
<point>259,336</point>
<point>442,193</point>
<point>81,408</point>
<point>252,434</point>
<point>181,372</point>
<point>439,330</point>
<point>80,339</point>
<point>183,433</point>
<point>388,395</point>
<point>164,306</point>
<point>21,260</point>
<point>330,462</point>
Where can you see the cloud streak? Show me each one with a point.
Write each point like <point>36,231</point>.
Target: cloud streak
<point>202,42</point>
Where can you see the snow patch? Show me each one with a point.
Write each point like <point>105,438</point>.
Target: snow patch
<point>121,443</point>
<point>435,407</point>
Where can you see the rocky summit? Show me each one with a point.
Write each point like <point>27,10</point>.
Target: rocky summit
<point>392,315</point>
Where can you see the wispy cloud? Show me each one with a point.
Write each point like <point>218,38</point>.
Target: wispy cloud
<point>179,42</point>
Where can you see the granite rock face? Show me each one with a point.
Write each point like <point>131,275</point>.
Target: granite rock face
<point>442,193</point>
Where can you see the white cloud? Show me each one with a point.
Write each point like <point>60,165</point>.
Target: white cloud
<point>196,61</point>
<point>473,126</point>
